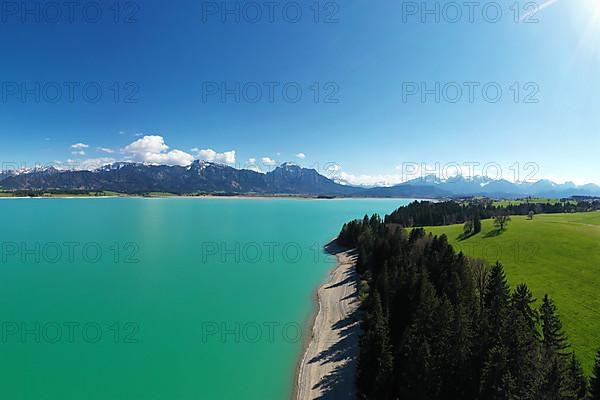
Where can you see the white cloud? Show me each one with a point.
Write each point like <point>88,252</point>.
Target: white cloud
<point>173,157</point>
<point>252,165</point>
<point>227,157</point>
<point>153,150</point>
<point>105,150</point>
<point>147,144</point>
<point>268,161</point>
<point>92,163</point>
<point>82,165</point>
<point>78,153</point>
<point>301,156</point>
<point>79,146</point>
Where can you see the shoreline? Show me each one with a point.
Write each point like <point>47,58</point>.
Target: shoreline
<point>216,197</point>
<point>328,364</point>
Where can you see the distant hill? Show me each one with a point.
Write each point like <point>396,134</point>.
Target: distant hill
<point>287,179</point>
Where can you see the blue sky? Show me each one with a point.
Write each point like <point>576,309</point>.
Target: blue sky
<point>161,76</point>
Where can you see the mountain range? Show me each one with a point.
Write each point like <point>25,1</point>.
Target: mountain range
<point>461,186</point>
<point>287,179</point>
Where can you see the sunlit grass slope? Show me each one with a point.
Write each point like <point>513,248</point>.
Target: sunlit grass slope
<point>556,254</point>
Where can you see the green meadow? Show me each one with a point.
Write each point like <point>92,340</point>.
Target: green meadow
<point>534,200</point>
<point>558,254</point>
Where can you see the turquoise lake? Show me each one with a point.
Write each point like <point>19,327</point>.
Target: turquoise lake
<point>161,298</point>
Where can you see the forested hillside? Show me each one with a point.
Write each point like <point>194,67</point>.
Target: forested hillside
<point>438,325</point>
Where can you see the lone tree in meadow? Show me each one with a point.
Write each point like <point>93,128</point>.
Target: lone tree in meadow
<point>477,224</point>
<point>468,228</point>
<point>501,221</point>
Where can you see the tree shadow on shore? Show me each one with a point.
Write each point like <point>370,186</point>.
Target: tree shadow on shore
<point>334,248</point>
<point>348,279</point>
<point>340,383</point>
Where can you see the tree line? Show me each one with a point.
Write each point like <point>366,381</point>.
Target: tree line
<point>426,213</point>
<point>52,192</point>
<point>438,325</point>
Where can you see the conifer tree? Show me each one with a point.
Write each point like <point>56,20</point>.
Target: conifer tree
<point>496,297</point>
<point>419,380</point>
<point>496,380</point>
<point>497,383</point>
<point>553,337</point>
<point>523,343</point>
<point>554,344</point>
<point>595,380</point>
<point>575,383</point>
<point>376,360</point>
<point>522,301</point>
<point>553,380</point>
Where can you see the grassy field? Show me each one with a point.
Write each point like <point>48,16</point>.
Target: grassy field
<point>536,200</point>
<point>160,194</point>
<point>558,254</point>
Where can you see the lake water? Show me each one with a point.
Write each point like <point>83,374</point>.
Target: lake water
<point>161,298</point>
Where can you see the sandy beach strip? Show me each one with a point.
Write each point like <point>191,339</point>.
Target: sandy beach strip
<point>328,367</point>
